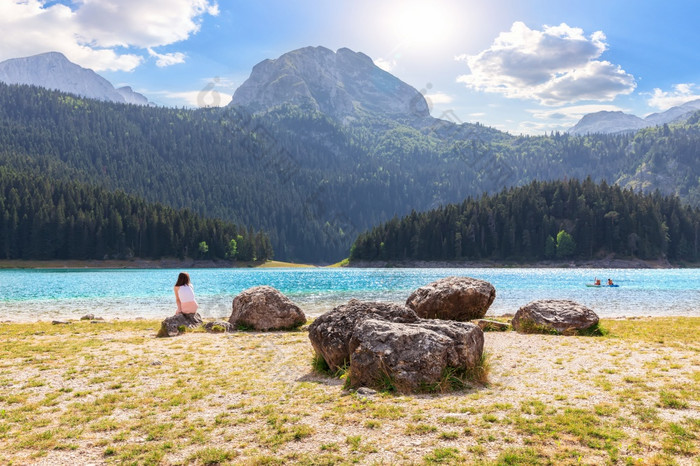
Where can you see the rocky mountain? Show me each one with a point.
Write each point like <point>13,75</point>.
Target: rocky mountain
<point>674,114</point>
<point>132,97</point>
<point>607,123</point>
<point>618,122</point>
<point>53,70</point>
<point>344,85</point>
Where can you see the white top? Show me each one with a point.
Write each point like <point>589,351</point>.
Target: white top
<point>186,293</point>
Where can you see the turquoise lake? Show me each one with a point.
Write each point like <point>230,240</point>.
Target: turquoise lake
<point>29,295</point>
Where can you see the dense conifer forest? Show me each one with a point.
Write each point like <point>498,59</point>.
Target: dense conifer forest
<point>49,219</point>
<point>311,183</point>
<point>542,220</point>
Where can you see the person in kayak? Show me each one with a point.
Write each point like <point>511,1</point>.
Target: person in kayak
<point>596,281</point>
<point>610,282</point>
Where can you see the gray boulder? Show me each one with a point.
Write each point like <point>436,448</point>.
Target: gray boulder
<point>453,298</point>
<point>330,333</point>
<point>554,316</point>
<point>219,326</point>
<point>412,357</point>
<point>170,327</point>
<point>265,308</point>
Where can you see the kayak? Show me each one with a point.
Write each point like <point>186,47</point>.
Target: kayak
<point>601,286</point>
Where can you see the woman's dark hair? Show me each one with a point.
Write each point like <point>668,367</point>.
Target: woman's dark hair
<point>183,279</point>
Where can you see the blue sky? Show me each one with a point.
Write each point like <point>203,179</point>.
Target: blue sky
<point>521,66</point>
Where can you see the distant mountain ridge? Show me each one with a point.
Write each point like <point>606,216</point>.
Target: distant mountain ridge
<point>53,70</point>
<point>343,85</point>
<point>606,122</point>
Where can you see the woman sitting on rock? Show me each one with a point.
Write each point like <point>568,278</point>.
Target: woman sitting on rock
<point>184,295</point>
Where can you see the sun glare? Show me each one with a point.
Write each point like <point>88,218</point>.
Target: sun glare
<point>421,24</point>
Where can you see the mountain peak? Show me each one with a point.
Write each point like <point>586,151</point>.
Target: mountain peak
<point>608,122</point>
<point>53,70</point>
<point>344,85</point>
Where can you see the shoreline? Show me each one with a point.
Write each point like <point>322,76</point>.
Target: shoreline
<point>607,263</point>
<point>136,264</point>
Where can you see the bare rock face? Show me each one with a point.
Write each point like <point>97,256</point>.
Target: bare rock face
<point>411,357</point>
<point>265,308</point>
<point>170,327</point>
<point>553,316</point>
<point>330,333</point>
<point>453,298</point>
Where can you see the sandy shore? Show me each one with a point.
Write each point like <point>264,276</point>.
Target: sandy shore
<point>112,393</point>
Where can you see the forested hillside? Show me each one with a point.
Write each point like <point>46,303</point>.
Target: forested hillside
<point>48,219</point>
<point>312,183</point>
<point>542,220</point>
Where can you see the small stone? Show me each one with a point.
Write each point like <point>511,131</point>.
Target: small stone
<point>60,322</point>
<point>492,325</point>
<point>88,317</point>
<point>219,326</point>
<point>364,391</point>
<point>156,363</point>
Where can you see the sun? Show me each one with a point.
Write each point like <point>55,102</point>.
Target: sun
<point>421,24</point>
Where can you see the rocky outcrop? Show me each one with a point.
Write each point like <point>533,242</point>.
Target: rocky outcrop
<point>412,357</point>
<point>330,333</point>
<point>219,326</point>
<point>453,298</point>
<point>265,308</point>
<point>554,316</point>
<point>172,325</point>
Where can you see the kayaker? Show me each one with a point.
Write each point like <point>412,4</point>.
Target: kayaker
<point>610,282</point>
<point>596,281</point>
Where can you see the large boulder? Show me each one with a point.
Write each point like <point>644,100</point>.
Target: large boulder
<point>330,333</point>
<point>412,357</point>
<point>453,298</point>
<point>554,316</point>
<point>171,326</point>
<point>265,308</point>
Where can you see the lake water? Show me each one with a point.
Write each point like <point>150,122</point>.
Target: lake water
<point>29,295</point>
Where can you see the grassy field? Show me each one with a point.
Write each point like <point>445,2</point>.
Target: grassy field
<point>112,393</point>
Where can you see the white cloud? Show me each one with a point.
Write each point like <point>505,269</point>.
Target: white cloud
<point>93,32</point>
<point>477,114</point>
<point>555,66</point>
<point>438,98</point>
<point>681,94</point>
<point>200,98</point>
<point>167,59</point>
<point>386,65</point>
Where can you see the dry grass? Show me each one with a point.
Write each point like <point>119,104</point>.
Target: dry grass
<point>113,393</point>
